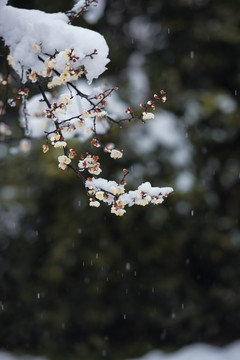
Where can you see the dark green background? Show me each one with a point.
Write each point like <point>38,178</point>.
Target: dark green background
<point>80,283</point>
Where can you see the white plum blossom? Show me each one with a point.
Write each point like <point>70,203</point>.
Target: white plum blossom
<point>56,81</point>
<point>51,63</point>
<point>55,138</point>
<point>142,199</point>
<point>91,164</point>
<point>116,154</point>
<point>100,113</point>
<point>117,190</point>
<point>65,100</point>
<point>63,162</point>
<point>33,76</point>
<point>147,116</point>
<point>99,195</point>
<point>60,144</point>
<point>156,200</point>
<point>94,203</point>
<point>117,211</point>
<point>45,148</point>
<point>95,170</point>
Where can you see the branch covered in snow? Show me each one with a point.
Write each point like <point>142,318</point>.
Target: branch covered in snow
<point>79,8</point>
<point>47,52</point>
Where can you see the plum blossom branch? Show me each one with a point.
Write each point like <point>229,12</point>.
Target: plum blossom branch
<point>75,113</point>
<point>79,8</point>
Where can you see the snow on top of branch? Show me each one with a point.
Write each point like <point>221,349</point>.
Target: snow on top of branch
<point>78,6</point>
<point>31,34</point>
<point>114,194</point>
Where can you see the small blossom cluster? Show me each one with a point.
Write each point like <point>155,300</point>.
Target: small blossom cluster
<point>72,154</point>
<point>63,67</point>
<point>57,141</point>
<point>91,164</point>
<point>56,109</point>
<point>114,153</point>
<point>103,95</point>
<point>22,93</point>
<point>146,115</point>
<point>114,194</point>
<point>63,160</point>
<point>93,53</point>
<point>79,8</point>
<point>32,76</point>
<point>129,111</point>
<point>90,122</point>
<point>105,191</point>
<point>118,208</point>
<point>95,142</point>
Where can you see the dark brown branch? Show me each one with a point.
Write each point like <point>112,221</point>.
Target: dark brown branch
<point>121,120</point>
<point>44,95</point>
<point>80,93</point>
<point>70,84</point>
<point>71,118</point>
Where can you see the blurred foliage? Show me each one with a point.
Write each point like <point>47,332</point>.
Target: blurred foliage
<point>77,282</point>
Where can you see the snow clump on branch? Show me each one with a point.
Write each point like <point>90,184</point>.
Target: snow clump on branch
<point>114,194</point>
<point>33,34</point>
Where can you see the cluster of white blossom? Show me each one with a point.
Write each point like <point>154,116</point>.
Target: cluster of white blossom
<point>114,194</point>
<point>46,46</point>
<point>91,164</point>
